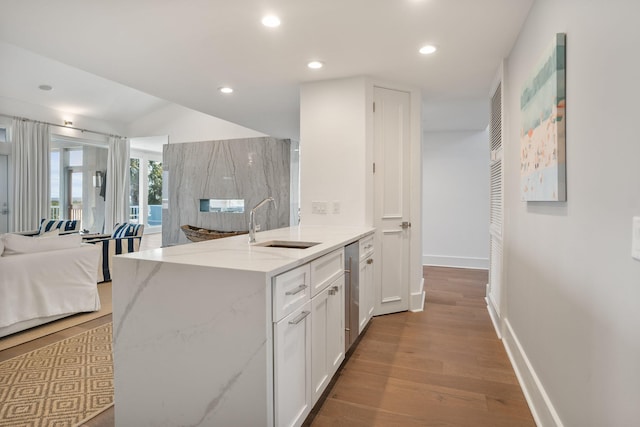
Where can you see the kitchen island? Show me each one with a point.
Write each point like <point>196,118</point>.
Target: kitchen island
<point>218,333</point>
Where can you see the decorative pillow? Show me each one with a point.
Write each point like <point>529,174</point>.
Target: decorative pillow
<point>126,230</point>
<point>65,226</point>
<point>15,244</point>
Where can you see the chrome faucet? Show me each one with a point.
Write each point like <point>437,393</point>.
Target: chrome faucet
<point>252,222</point>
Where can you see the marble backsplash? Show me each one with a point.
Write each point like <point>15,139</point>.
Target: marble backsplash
<point>250,169</point>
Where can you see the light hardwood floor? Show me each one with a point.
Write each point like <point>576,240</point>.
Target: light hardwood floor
<point>440,367</point>
<point>444,366</point>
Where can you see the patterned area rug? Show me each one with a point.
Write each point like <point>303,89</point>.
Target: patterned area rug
<point>62,384</point>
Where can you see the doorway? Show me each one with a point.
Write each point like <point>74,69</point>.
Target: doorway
<point>74,194</point>
<point>392,149</point>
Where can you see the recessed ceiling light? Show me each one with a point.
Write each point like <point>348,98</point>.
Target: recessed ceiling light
<point>45,87</point>
<point>226,89</point>
<point>428,49</point>
<point>315,64</point>
<point>271,21</point>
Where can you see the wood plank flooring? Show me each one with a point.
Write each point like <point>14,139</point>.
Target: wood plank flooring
<point>442,367</point>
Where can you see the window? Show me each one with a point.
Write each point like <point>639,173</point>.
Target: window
<point>154,194</point>
<point>75,191</point>
<point>55,185</point>
<point>134,191</point>
<point>145,197</point>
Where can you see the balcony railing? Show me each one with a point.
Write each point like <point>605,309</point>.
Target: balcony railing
<point>74,213</point>
<point>154,217</point>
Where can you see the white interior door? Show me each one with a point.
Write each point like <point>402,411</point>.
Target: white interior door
<point>4,194</point>
<point>392,198</point>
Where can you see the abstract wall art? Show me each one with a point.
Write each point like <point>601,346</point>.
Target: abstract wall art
<point>542,135</point>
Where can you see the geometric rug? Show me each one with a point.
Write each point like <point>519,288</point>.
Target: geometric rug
<point>60,385</point>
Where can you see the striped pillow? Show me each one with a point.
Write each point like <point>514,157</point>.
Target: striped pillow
<point>127,230</point>
<point>65,226</point>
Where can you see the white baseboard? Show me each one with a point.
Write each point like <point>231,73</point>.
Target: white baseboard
<point>541,407</point>
<point>457,262</point>
<point>493,314</point>
<point>417,298</point>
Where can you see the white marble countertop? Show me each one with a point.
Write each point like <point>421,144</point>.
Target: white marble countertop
<point>236,253</point>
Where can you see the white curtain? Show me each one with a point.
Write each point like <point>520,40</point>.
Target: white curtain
<point>117,191</point>
<point>31,159</point>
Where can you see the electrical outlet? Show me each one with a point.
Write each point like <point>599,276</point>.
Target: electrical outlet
<point>635,239</point>
<point>319,208</point>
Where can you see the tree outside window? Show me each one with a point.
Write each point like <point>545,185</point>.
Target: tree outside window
<point>155,183</point>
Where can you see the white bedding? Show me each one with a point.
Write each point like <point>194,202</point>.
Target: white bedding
<point>44,284</point>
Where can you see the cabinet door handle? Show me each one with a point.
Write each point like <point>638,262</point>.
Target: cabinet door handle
<point>370,261</point>
<point>296,290</point>
<point>299,318</point>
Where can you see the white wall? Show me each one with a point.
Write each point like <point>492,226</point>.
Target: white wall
<point>336,158</point>
<point>573,290</point>
<point>333,150</point>
<point>185,125</point>
<point>455,191</point>
<point>18,108</point>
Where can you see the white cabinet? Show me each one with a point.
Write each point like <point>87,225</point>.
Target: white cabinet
<point>292,367</point>
<point>326,269</point>
<point>327,332</point>
<point>366,286</point>
<point>308,334</point>
<point>290,290</point>
<point>335,323</point>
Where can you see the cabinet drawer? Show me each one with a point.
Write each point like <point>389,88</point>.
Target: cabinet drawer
<point>366,247</point>
<point>326,269</point>
<point>290,291</point>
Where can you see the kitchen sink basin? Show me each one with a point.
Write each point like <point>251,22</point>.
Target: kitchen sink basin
<point>292,244</point>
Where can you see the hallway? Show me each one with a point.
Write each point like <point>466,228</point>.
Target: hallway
<point>441,367</point>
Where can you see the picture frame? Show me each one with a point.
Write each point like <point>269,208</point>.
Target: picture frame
<point>543,125</point>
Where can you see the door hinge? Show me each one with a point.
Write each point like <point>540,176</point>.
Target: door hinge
<point>374,107</point>
<point>374,167</point>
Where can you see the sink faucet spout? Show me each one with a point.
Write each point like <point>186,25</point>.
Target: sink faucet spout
<point>252,223</point>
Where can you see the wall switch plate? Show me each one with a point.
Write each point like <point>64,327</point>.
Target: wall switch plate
<point>635,240</point>
<point>336,207</point>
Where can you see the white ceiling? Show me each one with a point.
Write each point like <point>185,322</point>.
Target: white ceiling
<point>183,51</point>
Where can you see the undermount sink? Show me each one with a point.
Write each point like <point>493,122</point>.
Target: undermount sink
<point>292,244</point>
